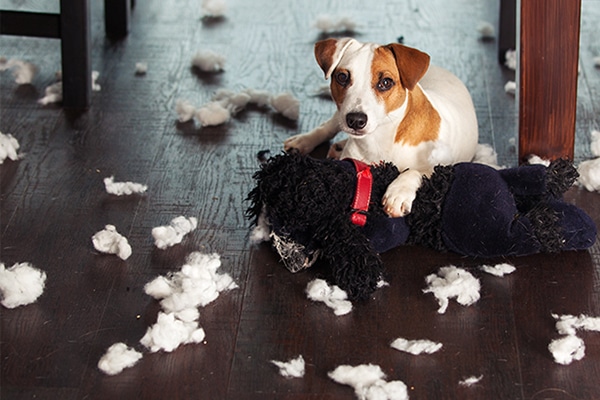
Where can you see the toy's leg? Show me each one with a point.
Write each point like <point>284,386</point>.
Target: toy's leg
<point>538,180</point>
<point>577,229</point>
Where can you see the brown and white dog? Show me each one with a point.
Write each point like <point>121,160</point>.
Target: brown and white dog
<point>394,107</point>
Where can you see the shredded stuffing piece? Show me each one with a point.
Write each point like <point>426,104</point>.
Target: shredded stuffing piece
<point>510,59</point>
<point>208,61</point>
<point>9,147</point>
<point>534,159</point>
<point>328,25</point>
<point>117,358</point>
<point>369,382</point>
<point>22,71</point>
<point>169,332</point>
<point>287,105</point>
<point>112,242</point>
<point>185,110</point>
<point>172,234</point>
<point>141,68</point>
<point>589,174</point>
<point>332,296</point>
<point>498,269</point>
<point>569,324</point>
<point>510,87</point>
<point>21,284</point>
<point>291,369</point>
<point>95,85</point>
<point>123,188</point>
<point>485,154</point>
<point>453,282</point>
<point>52,94</point>
<point>470,381</point>
<point>262,231</point>
<point>566,349</point>
<point>213,8</point>
<point>486,30</point>
<point>416,347</point>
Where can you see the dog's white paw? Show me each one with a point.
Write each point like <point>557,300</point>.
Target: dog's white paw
<point>400,194</point>
<point>303,143</point>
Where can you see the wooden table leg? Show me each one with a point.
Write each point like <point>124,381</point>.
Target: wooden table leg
<point>116,18</point>
<point>549,53</point>
<point>76,53</point>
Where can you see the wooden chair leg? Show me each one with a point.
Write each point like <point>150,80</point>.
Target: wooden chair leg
<point>507,28</point>
<point>116,18</point>
<point>76,53</point>
<point>549,54</point>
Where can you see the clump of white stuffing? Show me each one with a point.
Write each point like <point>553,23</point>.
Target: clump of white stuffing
<point>21,284</point>
<point>110,241</point>
<point>333,297</point>
<point>22,71</point>
<point>589,170</point>
<point>294,368</point>
<point>328,25</point>
<point>485,154</point>
<point>213,8</point>
<point>452,282</point>
<point>595,143</point>
<point>569,324</point>
<point>208,61</point>
<point>566,349</point>
<point>510,59</point>
<point>95,85</point>
<point>486,30</point>
<point>534,159</point>
<point>123,188</point>
<point>287,105</point>
<point>117,358</point>
<point>141,68</point>
<point>498,269</point>
<point>262,230</point>
<point>169,332</point>
<point>470,381</point>
<point>185,110</point>
<point>510,87</point>
<point>172,234</point>
<point>369,382</point>
<point>52,94</point>
<point>9,147</point>
<point>416,347</point>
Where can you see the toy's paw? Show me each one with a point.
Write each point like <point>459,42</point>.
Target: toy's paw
<point>303,143</point>
<point>400,194</point>
<point>335,151</point>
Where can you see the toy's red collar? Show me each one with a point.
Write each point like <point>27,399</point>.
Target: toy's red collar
<point>362,196</point>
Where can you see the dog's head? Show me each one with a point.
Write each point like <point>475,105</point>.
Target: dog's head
<point>369,81</point>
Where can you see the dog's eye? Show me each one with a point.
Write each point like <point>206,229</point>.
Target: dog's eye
<point>342,78</point>
<point>385,84</point>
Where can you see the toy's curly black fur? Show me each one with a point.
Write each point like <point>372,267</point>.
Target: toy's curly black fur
<point>329,191</point>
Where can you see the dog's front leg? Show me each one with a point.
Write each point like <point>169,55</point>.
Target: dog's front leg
<point>306,142</point>
<point>400,194</point>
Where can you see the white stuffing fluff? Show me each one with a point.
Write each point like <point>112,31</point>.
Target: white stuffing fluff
<point>566,349</point>
<point>416,347</point>
<point>212,114</point>
<point>498,269</point>
<point>141,68</point>
<point>123,188</point>
<point>22,71</point>
<point>510,59</point>
<point>185,110</point>
<point>287,105</point>
<point>172,234</point>
<point>569,324</point>
<point>589,174</point>
<point>262,230</point>
<point>537,160</point>
<point>486,30</point>
<point>332,296</point>
<point>95,85</point>
<point>112,242</point>
<point>595,143</point>
<point>452,282</point>
<point>21,284</point>
<point>510,87</point>
<point>169,332</point>
<point>9,147</point>
<point>328,24</point>
<point>596,62</point>
<point>485,154</point>
<point>52,94</point>
<point>213,8</point>
<point>369,382</point>
<point>291,369</point>
<point>117,358</point>
<point>470,381</point>
<point>208,61</point>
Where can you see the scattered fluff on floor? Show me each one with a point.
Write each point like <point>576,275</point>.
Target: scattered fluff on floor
<point>486,30</point>
<point>22,71</point>
<point>123,188</point>
<point>485,154</point>
<point>369,382</point>
<point>141,68</point>
<point>9,147</point>
<point>510,59</point>
<point>589,170</point>
<point>416,347</point>
<point>470,381</point>
<point>570,347</point>
<point>117,358</point>
<point>169,332</point>
<point>333,297</point>
<point>20,284</point>
<point>172,234</point>
<point>213,8</point>
<point>52,94</point>
<point>291,369</point>
<point>498,269</point>
<point>208,61</point>
<point>110,241</point>
<point>510,87</point>
<point>452,282</point>
<point>328,25</point>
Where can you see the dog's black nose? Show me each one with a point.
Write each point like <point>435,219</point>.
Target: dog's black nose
<point>356,120</point>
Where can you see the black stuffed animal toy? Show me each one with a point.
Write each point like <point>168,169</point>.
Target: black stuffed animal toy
<point>331,210</point>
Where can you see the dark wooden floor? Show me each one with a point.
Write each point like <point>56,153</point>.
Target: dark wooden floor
<point>53,201</point>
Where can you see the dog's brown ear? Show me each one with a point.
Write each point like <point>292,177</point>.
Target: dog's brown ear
<point>412,64</point>
<point>329,52</point>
